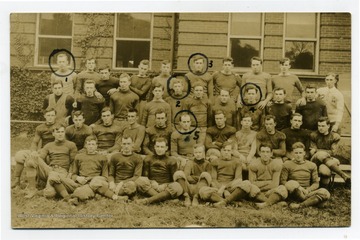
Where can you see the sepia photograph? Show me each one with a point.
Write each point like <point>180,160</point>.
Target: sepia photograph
<point>143,120</point>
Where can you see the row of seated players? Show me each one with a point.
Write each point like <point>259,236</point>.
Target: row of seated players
<point>79,176</point>
<point>109,140</point>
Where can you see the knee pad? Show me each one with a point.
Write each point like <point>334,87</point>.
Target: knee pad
<point>21,156</point>
<point>245,186</point>
<point>179,175</point>
<point>129,188</point>
<point>323,194</point>
<point>332,162</point>
<point>291,185</point>
<point>319,157</point>
<point>324,170</point>
<point>174,189</point>
<point>54,177</point>
<point>97,182</point>
<point>205,192</point>
<point>282,191</point>
<point>84,193</point>
<point>49,192</point>
<point>206,176</point>
<point>143,184</point>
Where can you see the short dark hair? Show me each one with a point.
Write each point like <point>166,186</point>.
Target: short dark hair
<point>91,138</point>
<point>161,139</point>
<point>77,113</point>
<point>310,86</point>
<point>90,58</point>
<point>104,67</point>
<point>165,62</point>
<point>269,117</point>
<point>89,81</point>
<point>49,110</point>
<point>197,57</point>
<point>144,62</point>
<point>105,109</point>
<point>298,145</point>
<point>295,115</point>
<point>256,59</point>
<point>217,112</point>
<point>57,126</point>
<point>160,111</point>
<point>124,75</point>
<point>126,137</point>
<point>324,119</point>
<point>280,89</point>
<point>56,82</point>
<point>158,85</point>
<point>228,59</point>
<point>131,110</point>
<point>250,87</point>
<point>284,60</point>
<point>266,145</point>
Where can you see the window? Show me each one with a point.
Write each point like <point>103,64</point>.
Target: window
<point>132,39</point>
<point>301,41</point>
<point>245,37</point>
<point>54,32</point>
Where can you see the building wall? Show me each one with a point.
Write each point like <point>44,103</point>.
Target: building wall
<point>207,33</point>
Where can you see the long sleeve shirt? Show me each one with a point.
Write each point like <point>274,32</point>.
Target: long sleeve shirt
<point>123,168</point>
<point>121,102</point>
<point>334,101</point>
<point>160,168</point>
<point>215,137</point>
<point>89,165</point>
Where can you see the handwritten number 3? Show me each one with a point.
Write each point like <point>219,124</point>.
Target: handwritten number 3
<point>211,64</point>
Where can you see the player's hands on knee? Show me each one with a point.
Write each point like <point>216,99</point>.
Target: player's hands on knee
<point>112,186</point>
<point>81,180</point>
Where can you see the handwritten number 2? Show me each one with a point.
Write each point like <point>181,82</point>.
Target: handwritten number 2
<point>177,103</point>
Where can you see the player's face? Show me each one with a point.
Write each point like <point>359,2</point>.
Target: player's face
<point>143,69</point>
<point>58,89</point>
<point>50,117</point>
<point>132,117</point>
<point>124,84</point>
<point>198,91</point>
<point>126,146</point>
<point>160,148</point>
<point>299,155</point>
<point>78,121</point>
<point>265,154</point>
<point>256,66</point>
<point>323,127</point>
<point>226,152</point>
<point>89,89</point>
<point>185,123</point>
<point>107,118</point>
<point>199,153</point>
<point>178,88</point>
<point>227,66</point>
<point>158,92</point>
<point>59,134</point>
<point>90,65</point>
<point>160,119</point>
<point>296,122</point>
<point>199,65</point>
<point>91,146</point>
<point>330,81</point>
<point>285,67</point>
<point>224,96</point>
<point>251,96</point>
<point>62,62</point>
<point>165,69</point>
<point>310,94</point>
<point>105,74</point>
<point>279,96</point>
<point>246,122</point>
<point>270,125</point>
<point>220,120</point>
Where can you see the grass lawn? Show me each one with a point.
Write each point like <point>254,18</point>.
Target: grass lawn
<point>40,212</point>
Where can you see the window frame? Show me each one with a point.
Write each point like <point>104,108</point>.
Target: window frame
<point>38,35</point>
<point>132,39</point>
<point>317,45</point>
<point>248,37</point>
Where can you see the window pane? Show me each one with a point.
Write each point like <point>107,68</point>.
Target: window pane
<point>130,53</point>
<point>301,25</point>
<point>246,24</point>
<point>47,45</point>
<point>301,54</point>
<point>242,50</point>
<point>56,24</point>
<point>133,25</point>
